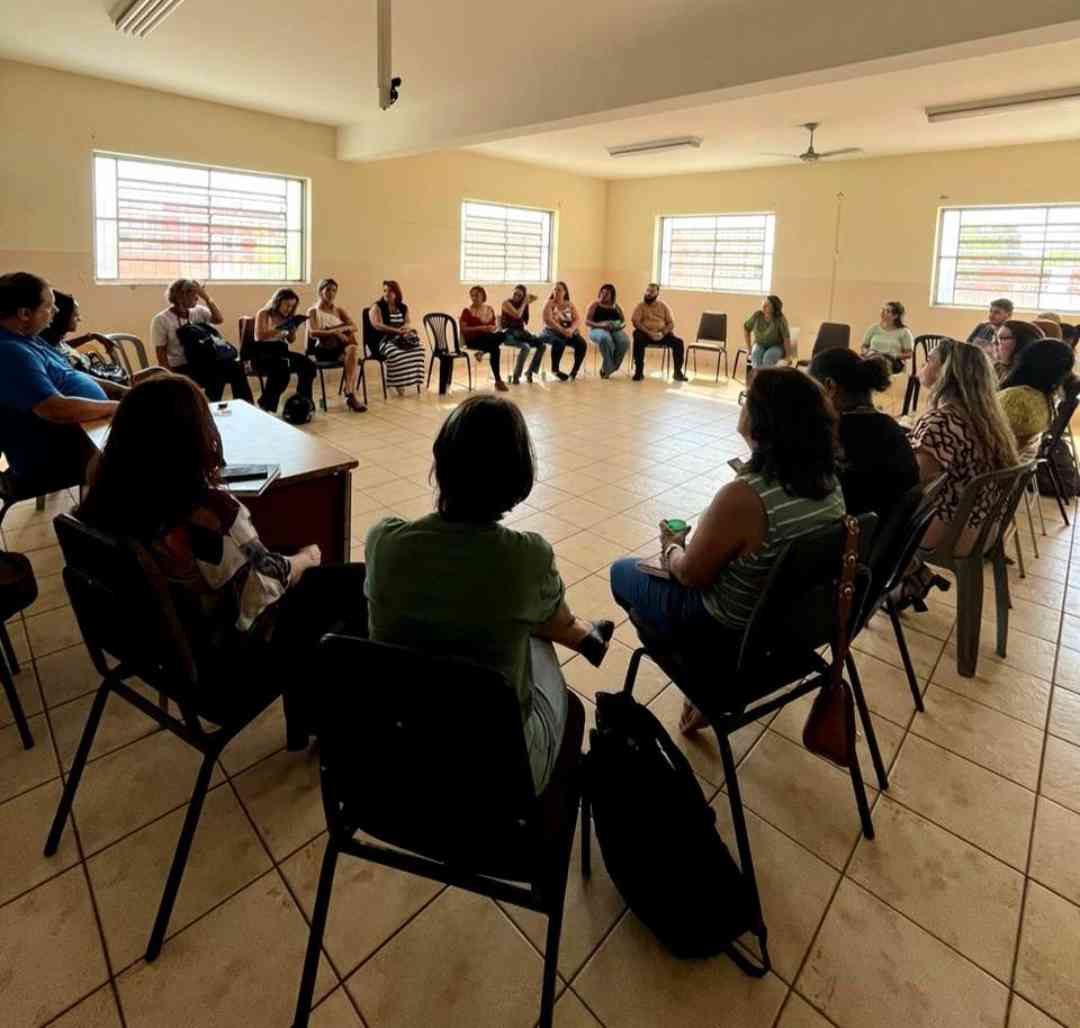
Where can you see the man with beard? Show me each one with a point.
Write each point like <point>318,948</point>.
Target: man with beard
<point>654,326</point>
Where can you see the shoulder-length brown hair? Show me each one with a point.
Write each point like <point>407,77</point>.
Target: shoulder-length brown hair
<point>279,297</point>
<point>389,283</point>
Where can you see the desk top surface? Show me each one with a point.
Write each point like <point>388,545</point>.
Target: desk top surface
<point>251,436</point>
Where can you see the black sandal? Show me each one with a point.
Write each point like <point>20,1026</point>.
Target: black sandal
<point>594,646</point>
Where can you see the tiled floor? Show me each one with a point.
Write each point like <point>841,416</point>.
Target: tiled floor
<point>965,910</point>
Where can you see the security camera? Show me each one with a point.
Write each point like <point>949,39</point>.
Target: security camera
<point>395,88</point>
<point>389,84</point>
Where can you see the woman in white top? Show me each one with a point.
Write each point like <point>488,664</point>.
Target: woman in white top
<point>890,336</point>
<point>332,336</point>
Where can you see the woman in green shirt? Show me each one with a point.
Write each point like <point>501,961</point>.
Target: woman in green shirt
<point>768,337</point>
<point>457,583</point>
<point>890,337</point>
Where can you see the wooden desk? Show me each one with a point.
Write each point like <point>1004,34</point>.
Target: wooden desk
<point>309,502</point>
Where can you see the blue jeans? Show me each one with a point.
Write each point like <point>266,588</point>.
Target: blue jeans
<point>765,357</point>
<point>669,607</point>
<point>612,346</point>
<point>522,340</point>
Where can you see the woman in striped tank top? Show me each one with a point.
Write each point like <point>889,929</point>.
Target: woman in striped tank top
<point>398,344</point>
<point>788,487</point>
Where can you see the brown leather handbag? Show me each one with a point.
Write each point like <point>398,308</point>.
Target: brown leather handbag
<point>830,727</point>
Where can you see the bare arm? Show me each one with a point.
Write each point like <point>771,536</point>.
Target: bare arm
<point>564,628</point>
<point>216,317</point>
<point>575,324</point>
<point>265,330</point>
<point>589,316</point>
<point>669,321</point>
<point>549,317</point>
<point>71,410</point>
<point>635,318</point>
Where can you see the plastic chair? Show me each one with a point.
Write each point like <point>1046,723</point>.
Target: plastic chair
<point>1054,434</point>
<point>711,338</point>
<point>370,352</point>
<point>18,590</point>
<point>124,609</point>
<point>831,336</point>
<point>928,344</point>
<point>430,763</point>
<point>795,616</point>
<point>1005,487</point>
<point>442,333</point>
<point>119,351</point>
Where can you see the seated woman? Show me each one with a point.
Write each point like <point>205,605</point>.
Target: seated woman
<point>332,336</point>
<point>607,328</point>
<point>480,332</point>
<point>788,487</point>
<point>890,337</point>
<point>398,345</point>
<point>768,337</point>
<point>1013,337</point>
<point>1027,395</point>
<point>562,328</point>
<point>486,592</point>
<point>513,321</point>
<point>250,613</point>
<point>274,331</point>
<point>874,458</point>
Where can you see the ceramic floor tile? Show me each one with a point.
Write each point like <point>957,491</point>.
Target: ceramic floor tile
<point>239,965</point>
<point>336,1011</point>
<point>614,498</point>
<point>978,805</point>
<point>96,1011</point>
<point>19,643</point>
<point>369,902</point>
<point>264,736</point>
<point>53,631</point>
<point>50,950</point>
<point>1061,773</point>
<point>570,1012</point>
<point>1013,692</point>
<point>128,877</point>
<point>803,796</point>
<point>1067,671</point>
<point>49,561</point>
<point>1024,1015</point>
<point>1034,619</point>
<point>878,640</point>
<point>1065,716</point>
<point>581,512</point>
<point>51,595</point>
<point>571,573</point>
<point>121,723</point>
<point>798,1013</point>
<point>610,676</point>
<point>461,962</point>
<point>995,741</point>
<point>360,523</point>
<point>1036,589</point>
<point>886,688</point>
<point>1023,652</point>
<point>553,528</point>
<point>1070,632</point>
<point>956,892</point>
<point>26,688</point>
<point>282,796</point>
<point>23,769</point>
<point>24,824</point>
<point>29,535</point>
<point>1053,849</point>
<point>390,493</point>
<point>544,496</point>
<point>1050,954</point>
<point>870,965</point>
<point>627,531</point>
<point>66,675</point>
<point>632,982</point>
<point>589,550</point>
<point>591,599</point>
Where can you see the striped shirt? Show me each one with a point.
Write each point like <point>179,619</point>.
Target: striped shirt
<point>732,597</point>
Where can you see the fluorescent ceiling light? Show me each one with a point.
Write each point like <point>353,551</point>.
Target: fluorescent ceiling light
<point>655,146</point>
<point>1002,104</point>
<point>143,16</point>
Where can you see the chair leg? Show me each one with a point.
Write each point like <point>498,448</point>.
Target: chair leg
<point>9,650</point>
<point>908,393</point>
<point>468,368</point>
<point>39,503</point>
<point>867,723</point>
<point>363,382</point>
<point>551,960</point>
<point>322,387</point>
<point>1031,522</point>
<point>586,837</point>
<point>12,694</point>
<point>969,601</point>
<point>315,938</point>
<point>1019,550</point>
<point>632,670</point>
<point>382,375</point>
<point>1038,507</point>
<point>1052,473</point>
<point>430,369</point>
<point>72,784</point>
<point>180,858</point>
<point>905,657</point>
<point>860,796</point>
<point>1001,601</point>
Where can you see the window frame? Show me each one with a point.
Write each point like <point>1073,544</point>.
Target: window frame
<point>305,221</point>
<point>937,258</point>
<point>553,243</point>
<point>658,251</point>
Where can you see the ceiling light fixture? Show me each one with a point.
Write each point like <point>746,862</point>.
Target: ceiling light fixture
<point>1002,104</point>
<point>143,16</point>
<point>655,146</point>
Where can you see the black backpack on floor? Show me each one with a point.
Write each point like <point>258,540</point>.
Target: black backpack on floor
<point>659,840</point>
<point>298,410</point>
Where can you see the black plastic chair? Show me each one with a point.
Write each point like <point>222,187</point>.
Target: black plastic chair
<point>124,609</point>
<point>12,492</point>
<point>831,336</point>
<point>370,352</point>
<point>795,617</point>
<point>711,338</point>
<point>323,366</point>
<point>18,590</point>
<point>1063,416</point>
<point>430,759</point>
<point>442,333</point>
<point>927,344</point>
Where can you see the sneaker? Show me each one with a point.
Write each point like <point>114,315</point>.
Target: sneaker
<point>639,376</point>
<point>501,387</point>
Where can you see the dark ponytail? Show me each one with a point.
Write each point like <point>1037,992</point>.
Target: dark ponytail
<point>855,375</point>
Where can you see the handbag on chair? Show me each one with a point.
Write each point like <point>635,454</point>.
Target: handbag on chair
<point>829,731</point>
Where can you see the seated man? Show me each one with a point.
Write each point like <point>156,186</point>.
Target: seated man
<point>984,334</point>
<point>654,326</point>
<point>184,309</point>
<point>42,398</point>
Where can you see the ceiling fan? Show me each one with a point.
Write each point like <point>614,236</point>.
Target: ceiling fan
<point>809,155</point>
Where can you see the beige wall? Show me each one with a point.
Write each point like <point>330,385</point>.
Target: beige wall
<point>888,221</point>
<point>393,219</point>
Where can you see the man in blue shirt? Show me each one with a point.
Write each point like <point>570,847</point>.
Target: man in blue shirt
<point>42,398</point>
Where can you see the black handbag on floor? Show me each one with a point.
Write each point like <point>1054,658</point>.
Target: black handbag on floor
<point>659,840</point>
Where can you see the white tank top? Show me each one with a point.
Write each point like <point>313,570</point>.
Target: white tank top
<point>323,319</point>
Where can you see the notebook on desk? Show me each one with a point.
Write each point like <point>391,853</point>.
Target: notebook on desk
<point>249,479</point>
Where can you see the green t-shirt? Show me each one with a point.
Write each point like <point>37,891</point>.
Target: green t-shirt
<point>461,589</point>
<point>764,332</point>
<point>890,341</point>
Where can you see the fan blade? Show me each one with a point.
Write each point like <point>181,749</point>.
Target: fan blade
<point>789,156</point>
<point>837,153</point>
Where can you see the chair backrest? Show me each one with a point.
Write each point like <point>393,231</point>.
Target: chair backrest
<point>124,608</point>
<point>123,340</point>
<point>429,756</point>
<point>998,493</point>
<point>712,328</point>
<point>246,335</point>
<point>442,332</point>
<point>371,335</point>
<point>1063,416</point>
<point>797,607</point>
<point>927,344</point>
<point>1050,329</point>
<point>832,336</point>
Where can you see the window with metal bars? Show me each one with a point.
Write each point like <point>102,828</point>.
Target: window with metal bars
<point>156,221</point>
<point>506,244</point>
<point>1029,254</point>
<point>717,253</point>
